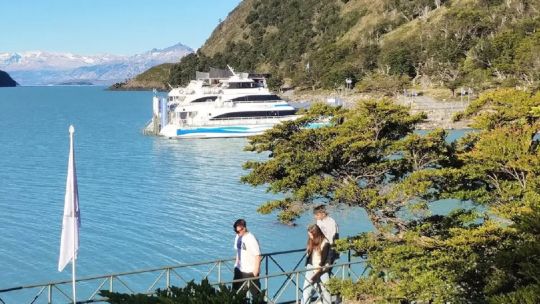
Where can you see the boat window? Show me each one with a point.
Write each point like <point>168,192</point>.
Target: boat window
<point>254,114</point>
<point>243,85</point>
<point>257,98</point>
<point>205,99</point>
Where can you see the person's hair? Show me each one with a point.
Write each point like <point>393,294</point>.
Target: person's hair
<point>240,222</point>
<point>320,209</point>
<point>315,242</point>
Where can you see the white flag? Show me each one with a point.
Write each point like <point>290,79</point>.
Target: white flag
<point>69,244</point>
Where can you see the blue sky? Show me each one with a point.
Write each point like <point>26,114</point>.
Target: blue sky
<point>122,27</point>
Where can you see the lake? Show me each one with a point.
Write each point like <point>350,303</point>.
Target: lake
<point>145,201</point>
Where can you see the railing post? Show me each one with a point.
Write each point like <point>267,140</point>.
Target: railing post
<point>168,278</point>
<point>49,294</point>
<point>219,271</point>
<point>111,284</point>
<point>266,274</point>
<point>342,272</point>
<point>297,286</point>
<point>349,263</point>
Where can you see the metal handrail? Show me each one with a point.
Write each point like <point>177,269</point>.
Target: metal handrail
<point>290,274</point>
<point>168,271</point>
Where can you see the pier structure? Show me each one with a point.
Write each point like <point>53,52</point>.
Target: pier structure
<point>152,127</point>
<point>282,277</point>
<point>160,116</point>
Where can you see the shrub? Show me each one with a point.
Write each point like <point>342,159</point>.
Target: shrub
<point>275,82</point>
<point>192,293</point>
<point>386,84</point>
<point>399,59</point>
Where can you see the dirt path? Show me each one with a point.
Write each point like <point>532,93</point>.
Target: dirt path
<point>439,112</point>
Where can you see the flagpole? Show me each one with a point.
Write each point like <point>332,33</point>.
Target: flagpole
<point>73,273</point>
<point>71,220</point>
<point>71,131</point>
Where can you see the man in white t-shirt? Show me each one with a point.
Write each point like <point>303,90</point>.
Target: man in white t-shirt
<point>248,258</point>
<point>327,224</point>
<point>330,230</point>
<point>328,227</point>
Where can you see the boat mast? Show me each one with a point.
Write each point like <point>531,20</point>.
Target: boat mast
<point>231,69</point>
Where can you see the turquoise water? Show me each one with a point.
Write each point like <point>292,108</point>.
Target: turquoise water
<point>145,201</point>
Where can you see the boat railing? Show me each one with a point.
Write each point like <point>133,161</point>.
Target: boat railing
<point>233,121</point>
<point>282,277</point>
<point>258,101</point>
<point>253,118</point>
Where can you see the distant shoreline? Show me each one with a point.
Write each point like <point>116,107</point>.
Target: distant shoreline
<point>110,88</point>
<point>60,85</point>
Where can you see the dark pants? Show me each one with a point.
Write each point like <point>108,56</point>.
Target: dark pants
<point>245,275</point>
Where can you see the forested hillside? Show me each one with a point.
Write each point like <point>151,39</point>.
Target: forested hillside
<point>317,44</point>
<point>156,77</point>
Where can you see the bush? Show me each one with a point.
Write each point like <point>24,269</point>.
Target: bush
<point>387,84</point>
<point>275,82</point>
<point>192,293</point>
<point>400,59</point>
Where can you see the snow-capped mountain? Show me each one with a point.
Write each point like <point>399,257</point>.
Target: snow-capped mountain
<point>46,68</point>
<point>38,60</point>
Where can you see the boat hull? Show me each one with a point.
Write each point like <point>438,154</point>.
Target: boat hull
<point>215,131</point>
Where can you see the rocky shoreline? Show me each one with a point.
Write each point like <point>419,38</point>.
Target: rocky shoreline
<point>133,85</point>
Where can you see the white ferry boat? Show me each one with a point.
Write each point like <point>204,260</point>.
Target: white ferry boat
<point>233,105</point>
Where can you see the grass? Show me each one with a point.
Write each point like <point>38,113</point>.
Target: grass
<point>229,30</point>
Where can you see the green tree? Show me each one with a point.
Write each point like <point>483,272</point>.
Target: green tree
<point>275,82</point>
<point>399,60</point>
<point>370,157</point>
<point>352,161</point>
<point>184,73</point>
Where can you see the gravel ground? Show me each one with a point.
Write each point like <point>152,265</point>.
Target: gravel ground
<point>439,112</point>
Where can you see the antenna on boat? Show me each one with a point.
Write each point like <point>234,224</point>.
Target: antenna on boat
<point>231,69</point>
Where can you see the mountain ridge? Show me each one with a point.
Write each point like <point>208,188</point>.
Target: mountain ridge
<point>46,68</point>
